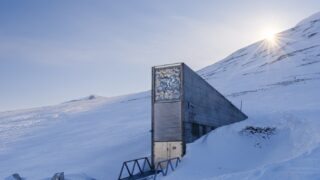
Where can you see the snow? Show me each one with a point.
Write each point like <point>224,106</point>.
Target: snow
<point>90,137</point>
<point>227,154</point>
<point>276,92</point>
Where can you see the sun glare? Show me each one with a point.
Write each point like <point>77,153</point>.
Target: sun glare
<point>269,34</point>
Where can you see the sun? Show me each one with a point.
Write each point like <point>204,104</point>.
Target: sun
<point>269,34</point>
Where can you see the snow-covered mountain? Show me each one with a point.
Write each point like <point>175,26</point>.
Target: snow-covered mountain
<point>279,86</point>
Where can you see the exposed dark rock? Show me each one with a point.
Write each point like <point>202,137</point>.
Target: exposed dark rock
<point>259,134</point>
<point>310,35</point>
<point>58,176</point>
<point>264,132</point>
<point>91,97</point>
<point>16,176</point>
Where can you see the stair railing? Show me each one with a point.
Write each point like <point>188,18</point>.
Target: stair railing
<point>130,167</point>
<point>163,166</point>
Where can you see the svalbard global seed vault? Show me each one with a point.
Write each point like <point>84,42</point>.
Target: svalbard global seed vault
<point>184,107</point>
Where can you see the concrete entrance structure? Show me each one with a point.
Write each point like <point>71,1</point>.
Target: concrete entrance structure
<point>184,107</point>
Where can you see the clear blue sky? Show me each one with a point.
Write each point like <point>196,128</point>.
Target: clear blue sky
<point>54,51</point>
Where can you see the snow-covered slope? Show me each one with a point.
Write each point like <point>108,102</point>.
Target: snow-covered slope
<point>278,84</point>
<point>280,87</point>
<point>84,138</point>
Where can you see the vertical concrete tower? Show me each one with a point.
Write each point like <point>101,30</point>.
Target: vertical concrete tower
<point>184,107</point>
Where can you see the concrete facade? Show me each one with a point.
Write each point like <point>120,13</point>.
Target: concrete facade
<point>184,107</point>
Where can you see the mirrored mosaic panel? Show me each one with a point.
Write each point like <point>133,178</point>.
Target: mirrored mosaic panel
<point>167,83</point>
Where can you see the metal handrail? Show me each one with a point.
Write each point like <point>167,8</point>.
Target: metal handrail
<point>164,171</point>
<point>162,167</point>
<point>136,162</point>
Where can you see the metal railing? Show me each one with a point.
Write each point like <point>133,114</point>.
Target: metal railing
<point>130,167</point>
<point>142,168</point>
<point>163,166</point>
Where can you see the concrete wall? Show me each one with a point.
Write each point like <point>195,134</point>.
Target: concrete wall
<point>167,127</point>
<point>167,124</point>
<point>204,105</point>
<point>184,108</point>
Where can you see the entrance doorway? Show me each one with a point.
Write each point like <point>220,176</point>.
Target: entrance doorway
<point>167,150</point>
